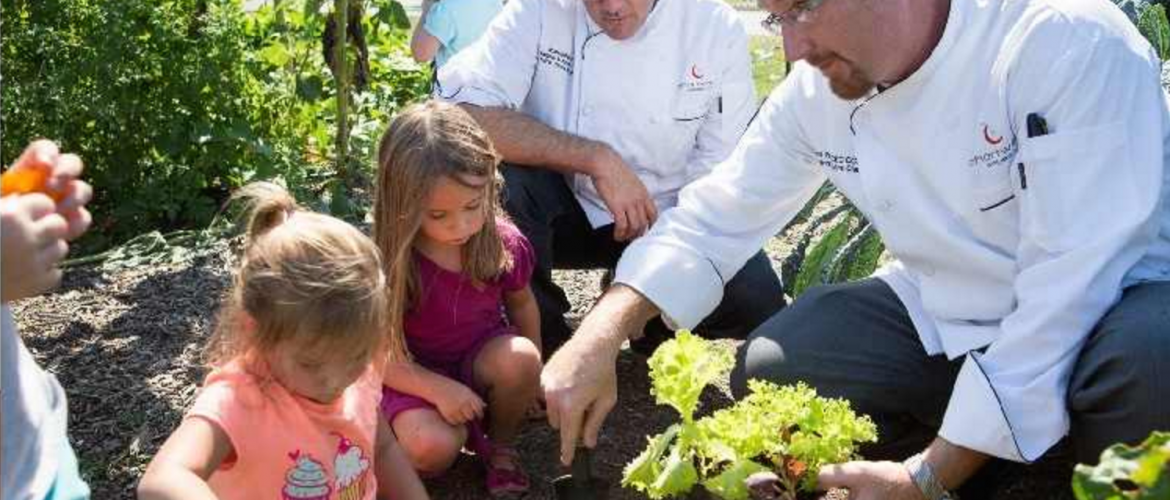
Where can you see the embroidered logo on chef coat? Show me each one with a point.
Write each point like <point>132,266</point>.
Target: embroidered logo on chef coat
<point>837,162</point>
<point>559,59</point>
<point>990,136</point>
<point>997,151</point>
<point>695,79</point>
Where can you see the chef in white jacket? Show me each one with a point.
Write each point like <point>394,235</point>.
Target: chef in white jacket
<point>1014,156</point>
<point>603,110</point>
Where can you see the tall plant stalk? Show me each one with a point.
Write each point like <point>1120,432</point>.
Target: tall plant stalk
<point>341,77</point>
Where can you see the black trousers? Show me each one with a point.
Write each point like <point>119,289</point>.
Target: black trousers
<point>856,341</point>
<point>542,206</point>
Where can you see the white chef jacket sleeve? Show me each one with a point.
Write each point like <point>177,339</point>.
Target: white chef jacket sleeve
<point>722,219</point>
<point>732,108</point>
<point>497,69</point>
<point>1087,215</point>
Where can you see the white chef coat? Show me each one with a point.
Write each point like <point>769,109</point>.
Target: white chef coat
<point>672,100</point>
<point>1013,277</point>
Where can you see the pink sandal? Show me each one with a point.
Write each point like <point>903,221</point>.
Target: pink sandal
<point>506,482</point>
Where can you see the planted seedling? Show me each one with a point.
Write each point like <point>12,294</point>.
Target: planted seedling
<point>769,445</point>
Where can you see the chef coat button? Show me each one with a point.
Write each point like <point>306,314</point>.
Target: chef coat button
<point>928,270</point>
<point>586,110</point>
<point>886,205</point>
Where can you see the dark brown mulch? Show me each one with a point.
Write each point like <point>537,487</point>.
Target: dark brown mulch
<point>125,343</point>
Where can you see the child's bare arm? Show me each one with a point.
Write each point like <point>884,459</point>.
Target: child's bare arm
<point>523,312</point>
<point>456,402</point>
<point>181,467</point>
<point>396,477</point>
<point>424,46</point>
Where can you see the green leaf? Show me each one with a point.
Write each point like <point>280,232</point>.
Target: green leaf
<point>1153,24</point>
<point>731,484</point>
<point>641,472</point>
<point>681,367</point>
<point>310,87</point>
<point>678,475</point>
<point>821,255</point>
<point>275,54</point>
<point>313,8</point>
<point>1127,473</point>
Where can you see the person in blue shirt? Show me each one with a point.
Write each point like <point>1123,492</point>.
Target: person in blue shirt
<point>446,27</point>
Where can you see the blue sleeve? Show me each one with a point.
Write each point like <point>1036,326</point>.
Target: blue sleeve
<point>440,23</point>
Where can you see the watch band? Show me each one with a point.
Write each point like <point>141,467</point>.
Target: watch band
<point>924,478</point>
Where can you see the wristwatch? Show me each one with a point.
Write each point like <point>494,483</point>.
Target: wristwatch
<point>924,478</point>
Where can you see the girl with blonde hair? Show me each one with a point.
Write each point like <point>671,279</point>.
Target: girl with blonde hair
<point>459,274</point>
<point>289,409</point>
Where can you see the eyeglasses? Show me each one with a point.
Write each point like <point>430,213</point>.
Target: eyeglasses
<point>802,13</point>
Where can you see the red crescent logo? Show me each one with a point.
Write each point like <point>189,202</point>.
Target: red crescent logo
<point>695,72</point>
<point>987,136</point>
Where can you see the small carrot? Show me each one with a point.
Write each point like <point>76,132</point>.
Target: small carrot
<point>27,180</point>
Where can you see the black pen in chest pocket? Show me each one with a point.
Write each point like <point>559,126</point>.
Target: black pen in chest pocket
<point>1036,127</point>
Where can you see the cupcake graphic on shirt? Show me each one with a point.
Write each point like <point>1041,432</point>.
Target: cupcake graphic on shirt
<point>307,480</point>
<point>350,466</point>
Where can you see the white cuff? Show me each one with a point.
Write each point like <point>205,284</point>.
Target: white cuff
<point>683,285</point>
<point>456,92</point>
<point>1013,424</point>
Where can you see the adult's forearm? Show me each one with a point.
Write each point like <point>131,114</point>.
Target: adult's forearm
<point>523,140</point>
<point>620,314</point>
<point>952,464</point>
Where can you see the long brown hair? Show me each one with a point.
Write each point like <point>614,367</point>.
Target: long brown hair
<point>425,143</point>
<point>303,277</point>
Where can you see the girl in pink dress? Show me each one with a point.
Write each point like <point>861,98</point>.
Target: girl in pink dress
<point>290,408</point>
<point>459,294</point>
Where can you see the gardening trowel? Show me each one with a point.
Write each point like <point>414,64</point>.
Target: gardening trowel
<point>580,484</point>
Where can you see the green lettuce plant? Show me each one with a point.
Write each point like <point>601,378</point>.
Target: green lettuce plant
<point>1127,472</point>
<point>786,431</point>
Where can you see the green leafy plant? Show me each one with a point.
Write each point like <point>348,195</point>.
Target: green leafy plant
<point>787,431</point>
<point>172,105</point>
<point>1153,24</point>
<point>834,243</point>
<point>1127,473</point>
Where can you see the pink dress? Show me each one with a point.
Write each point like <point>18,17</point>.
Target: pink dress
<point>454,320</point>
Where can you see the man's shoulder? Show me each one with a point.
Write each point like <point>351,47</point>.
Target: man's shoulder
<point>1064,22</point>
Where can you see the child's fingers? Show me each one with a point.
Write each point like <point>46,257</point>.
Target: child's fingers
<point>41,153</point>
<point>66,169</point>
<point>50,228</point>
<point>78,221</point>
<point>49,256</point>
<point>74,194</point>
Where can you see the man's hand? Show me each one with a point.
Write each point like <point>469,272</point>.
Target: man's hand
<point>624,195</point>
<point>870,481</point>
<point>580,389</point>
<point>580,381</point>
<point>952,466</point>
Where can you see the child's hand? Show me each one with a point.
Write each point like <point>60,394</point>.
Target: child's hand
<point>33,244</point>
<point>458,404</point>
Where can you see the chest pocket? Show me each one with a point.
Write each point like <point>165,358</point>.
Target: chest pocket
<point>692,105</point>
<point>1068,169</point>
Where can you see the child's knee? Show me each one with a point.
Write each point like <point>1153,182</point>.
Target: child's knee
<point>431,447</point>
<point>518,365</point>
